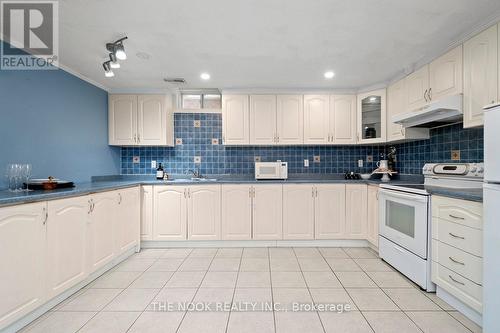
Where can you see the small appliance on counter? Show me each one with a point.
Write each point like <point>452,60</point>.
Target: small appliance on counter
<point>271,170</point>
<point>49,183</point>
<point>351,175</point>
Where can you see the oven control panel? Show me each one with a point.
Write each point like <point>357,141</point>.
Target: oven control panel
<point>469,170</point>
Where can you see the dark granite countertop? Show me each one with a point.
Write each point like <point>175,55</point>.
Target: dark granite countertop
<point>457,193</point>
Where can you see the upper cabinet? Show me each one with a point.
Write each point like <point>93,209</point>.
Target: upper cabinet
<point>372,117</point>
<point>290,119</point>
<point>140,120</point>
<point>316,113</point>
<point>480,75</point>
<point>235,120</point>
<point>417,84</point>
<point>263,120</point>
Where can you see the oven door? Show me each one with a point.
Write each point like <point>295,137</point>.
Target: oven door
<point>404,220</point>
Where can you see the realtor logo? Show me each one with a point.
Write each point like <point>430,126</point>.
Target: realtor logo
<point>30,34</point>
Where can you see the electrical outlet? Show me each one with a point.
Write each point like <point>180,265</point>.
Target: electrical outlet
<point>215,142</point>
<point>257,159</point>
<point>178,141</point>
<point>197,123</point>
<point>455,155</point>
<point>136,159</point>
<point>360,163</point>
<point>197,159</point>
<point>369,159</point>
<point>306,163</point>
<point>317,159</point>
<point>153,164</point>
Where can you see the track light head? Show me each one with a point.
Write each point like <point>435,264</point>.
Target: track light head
<point>114,62</point>
<point>107,69</point>
<point>117,49</point>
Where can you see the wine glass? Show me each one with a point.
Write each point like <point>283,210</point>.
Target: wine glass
<point>14,174</point>
<point>26,173</point>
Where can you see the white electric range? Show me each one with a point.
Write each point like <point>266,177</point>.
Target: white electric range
<point>405,217</point>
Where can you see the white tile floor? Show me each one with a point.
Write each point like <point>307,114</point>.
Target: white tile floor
<point>129,298</point>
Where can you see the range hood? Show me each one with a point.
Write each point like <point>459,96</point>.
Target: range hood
<point>444,111</point>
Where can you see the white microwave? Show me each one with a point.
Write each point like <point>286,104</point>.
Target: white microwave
<point>271,170</point>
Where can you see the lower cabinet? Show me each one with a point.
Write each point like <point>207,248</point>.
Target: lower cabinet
<point>356,211</point>
<point>67,238</point>
<point>204,212</point>
<point>237,212</point>
<point>298,211</point>
<point>22,258</point>
<point>170,213</point>
<point>329,211</point>
<point>372,215</point>
<point>127,228</point>
<point>267,212</point>
<point>147,213</point>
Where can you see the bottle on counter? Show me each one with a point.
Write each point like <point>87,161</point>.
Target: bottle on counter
<point>160,173</point>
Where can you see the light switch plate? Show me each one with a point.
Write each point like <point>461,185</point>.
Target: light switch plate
<point>306,163</point>
<point>360,163</point>
<point>455,155</point>
<point>197,123</point>
<point>178,141</point>
<point>153,164</point>
<point>136,159</point>
<point>256,159</point>
<point>317,159</point>
<point>197,159</point>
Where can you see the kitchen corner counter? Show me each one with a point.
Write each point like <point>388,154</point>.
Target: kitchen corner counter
<point>109,183</point>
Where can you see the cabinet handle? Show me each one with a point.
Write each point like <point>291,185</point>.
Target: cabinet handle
<point>138,138</point>
<point>189,193</point>
<point>135,138</point>
<point>119,198</point>
<point>90,208</point>
<point>455,236</point>
<point>425,95</point>
<point>249,192</point>
<point>316,192</point>
<point>45,215</point>
<point>430,94</point>
<point>185,194</point>
<point>456,217</point>
<point>456,281</point>
<point>93,205</point>
<point>312,192</point>
<point>456,261</point>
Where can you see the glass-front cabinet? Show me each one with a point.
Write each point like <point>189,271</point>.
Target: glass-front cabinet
<point>371,116</point>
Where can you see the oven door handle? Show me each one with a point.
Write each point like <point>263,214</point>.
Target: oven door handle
<point>394,194</point>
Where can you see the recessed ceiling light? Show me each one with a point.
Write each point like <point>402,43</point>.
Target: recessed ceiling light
<point>329,75</point>
<point>205,76</point>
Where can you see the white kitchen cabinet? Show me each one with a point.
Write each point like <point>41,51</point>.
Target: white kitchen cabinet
<point>235,120</point>
<point>356,211</point>
<point>290,119</point>
<point>267,212</point>
<point>445,75</point>
<point>372,215</point>
<point>128,214</point>
<point>22,258</point>
<point>480,75</point>
<point>204,212</point>
<point>237,212</point>
<point>417,84</point>
<point>67,240</point>
<point>170,213</point>
<point>101,229</point>
<point>122,120</point>
<point>316,119</point>
<point>298,211</point>
<point>263,120</point>
<point>329,212</point>
<point>396,104</point>
<point>342,119</point>
<point>371,118</point>
<point>147,213</point>
<point>140,120</point>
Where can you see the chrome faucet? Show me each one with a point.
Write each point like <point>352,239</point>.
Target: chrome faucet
<point>196,173</point>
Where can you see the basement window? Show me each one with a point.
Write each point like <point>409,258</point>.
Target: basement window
<point>196,100</point>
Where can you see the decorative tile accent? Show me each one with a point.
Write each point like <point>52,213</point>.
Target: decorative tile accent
<point>220,159</point>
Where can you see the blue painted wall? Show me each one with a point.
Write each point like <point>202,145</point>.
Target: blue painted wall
<point>57,122</point>
<point>218,159</point>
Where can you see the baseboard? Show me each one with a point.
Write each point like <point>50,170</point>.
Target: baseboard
<point>257,243</point>
<point>30,317</point>
<point>460,306</point>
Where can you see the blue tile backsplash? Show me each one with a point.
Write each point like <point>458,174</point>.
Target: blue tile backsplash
<point>219,159</point>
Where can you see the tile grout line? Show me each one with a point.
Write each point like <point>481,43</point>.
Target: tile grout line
<point>234,290</point>
<point>271,287</point>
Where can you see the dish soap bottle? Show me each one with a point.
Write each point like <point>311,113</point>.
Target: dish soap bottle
<point>159,172</point>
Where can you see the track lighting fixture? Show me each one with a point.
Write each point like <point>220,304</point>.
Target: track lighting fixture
<point>114,62</point>
<point>107,69</point>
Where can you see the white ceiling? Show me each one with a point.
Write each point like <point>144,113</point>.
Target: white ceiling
<point>286,44</point>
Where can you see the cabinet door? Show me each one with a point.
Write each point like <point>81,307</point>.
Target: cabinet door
<point>236,212</point>
<point>67,243</point>
<point>329,211</point>
<point>101,236</point>
<point>396,104</point>
<point>480,75</point>
<point>446,75</point>
<point>417,84</point>
<point>263,119</point>
<point>290,119</point>
<point>316,122</point>
<point>151,120</point>
<point>204,212</point>
<point>235,120</point>
<point>267,212</point>
<point>342,119</point>
<point>372,214</point>
<point>356,211</point>
<point>371,118</point>
<point>147,213</point>
<point>22,244</point>
<point>122,122</point>
<point>298,212</point>
<point>170,213</point>
<point>128,215</point>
